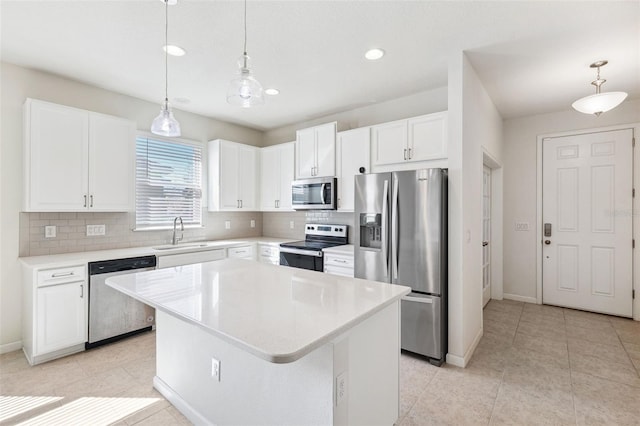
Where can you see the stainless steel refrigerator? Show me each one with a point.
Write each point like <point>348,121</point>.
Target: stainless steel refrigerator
<point>401,238</point>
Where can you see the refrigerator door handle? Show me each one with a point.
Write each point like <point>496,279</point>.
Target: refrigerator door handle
<point>385,214</point>
<point>394,230</point>
<point>418,299</point>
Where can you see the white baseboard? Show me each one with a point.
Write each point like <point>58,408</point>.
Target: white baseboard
<point>460,361</point>
<point>10,347</point>
<point>519,298</point>
<point>187,410</point>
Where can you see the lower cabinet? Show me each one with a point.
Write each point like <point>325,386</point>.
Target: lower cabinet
<point>268,253</point>
<point>339,262</point>
<point>54,312</point>
<point>242,252</point>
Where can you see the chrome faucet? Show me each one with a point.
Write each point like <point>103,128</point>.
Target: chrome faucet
<point>175,239</point>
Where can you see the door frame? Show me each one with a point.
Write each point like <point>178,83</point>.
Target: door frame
<point>496,224</point>
<point>635,127</point>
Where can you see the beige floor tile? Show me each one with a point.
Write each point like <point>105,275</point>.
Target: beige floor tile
<point>163,417</point>
<point>541,345</point>
<point>625,324</point>
<point>504,306</point>
<point>586,315</point>
<point>511,318</point>
<point>607,337</point>
<point>542,330</point>
<point>599,401</point>
<point>415,376</point>
<point>450,409</point>
<point>591,324</point>
<point>109,383</point>
<point>629,336</point>
<point>607,352</point>
<point>544,310</point>
<point>537,361</point>
<point>495,341</point>
<point>500,327</point>
<point>618,372</point>
<point>543,320</point>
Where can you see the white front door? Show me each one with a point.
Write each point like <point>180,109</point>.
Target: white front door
<point>587,222</point>
<point>486,235</point>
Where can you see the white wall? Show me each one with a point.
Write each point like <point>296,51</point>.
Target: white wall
<point>409,106</point>
<point>474,125</point>
<point>19,83</point>
<point>520,168</point>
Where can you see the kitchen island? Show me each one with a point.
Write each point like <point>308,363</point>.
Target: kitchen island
<point>241,342</point>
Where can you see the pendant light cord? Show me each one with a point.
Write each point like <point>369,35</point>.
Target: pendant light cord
<point>245,30</point>
<point>166,53</point>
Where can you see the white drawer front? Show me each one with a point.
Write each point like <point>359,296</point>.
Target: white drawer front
<point>269,251</point>
<point>337,270</point>
<point>343,261</point>
<point>61,275</point>
<point>245,252</point>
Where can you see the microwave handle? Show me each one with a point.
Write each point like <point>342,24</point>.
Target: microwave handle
<point>322,189</point>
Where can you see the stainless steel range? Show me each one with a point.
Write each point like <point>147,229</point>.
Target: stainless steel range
<point>308,254</point>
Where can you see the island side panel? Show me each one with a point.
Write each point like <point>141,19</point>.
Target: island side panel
<point>251,390</point>
<point>368,356</point>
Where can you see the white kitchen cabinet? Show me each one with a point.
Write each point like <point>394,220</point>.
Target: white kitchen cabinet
<point>233,174</point>
<point>315,151</point>
<point>352,153</point>
<point>339,260</point>
<point>76,160</point>
<point>242,252</point>
<point>277,170</point>
<point>268,253</point>
<point>55,312</point>
<point>412,140</point>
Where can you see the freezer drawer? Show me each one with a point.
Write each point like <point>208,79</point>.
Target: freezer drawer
<point>421,325</point>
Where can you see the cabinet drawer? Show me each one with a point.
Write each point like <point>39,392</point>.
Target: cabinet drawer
<point>338,270</point>
<point>245,252</point>
<point>269,251</point>
<point>61,275</point>
<point>342,261</point>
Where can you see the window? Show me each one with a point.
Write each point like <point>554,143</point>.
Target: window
<point>168,183</point>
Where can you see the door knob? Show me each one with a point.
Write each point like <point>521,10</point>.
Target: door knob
<point>547,242</point>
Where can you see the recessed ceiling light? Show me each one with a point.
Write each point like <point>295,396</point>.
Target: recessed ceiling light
<point>374,54</point>
<point>271,91</point>
<point>174,50</point>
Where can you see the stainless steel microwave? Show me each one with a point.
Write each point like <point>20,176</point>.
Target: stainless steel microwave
<point>314,194</point>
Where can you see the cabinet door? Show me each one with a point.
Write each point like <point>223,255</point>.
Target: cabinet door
<point>428,137</point>
<point>111,163</point>
<point>56,149</point>
<point>228,184</point>
<point>305,153</point>
<point>61,320</point>
<point>247,174</point>
<point>389,143</point>
<point>287,165</point>
<point>326,149</point>
<point>270,178</point>
<point>352,153</point>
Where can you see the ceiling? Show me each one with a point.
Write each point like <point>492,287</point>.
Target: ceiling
<point>532,56</point>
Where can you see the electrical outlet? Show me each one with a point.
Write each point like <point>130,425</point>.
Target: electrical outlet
<point>522,226</point>
<point>341,387</point>
<point>215,369</point>
<point>95,230</point>
<point>291,223</point>
<point>50,231</point>
<point>253,223</point>
<point>227,224</point>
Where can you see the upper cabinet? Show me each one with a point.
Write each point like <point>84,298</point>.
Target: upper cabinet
<point>315,151</point>
<point>233,175</point>
<point>352,153</point>
<point>412,140</point>
<point>76,160</point>
<point>277,168</point>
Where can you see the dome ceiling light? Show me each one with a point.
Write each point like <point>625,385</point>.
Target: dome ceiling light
<point>600,102</point>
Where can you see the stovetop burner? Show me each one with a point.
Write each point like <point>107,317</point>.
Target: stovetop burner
<point>319,236</point>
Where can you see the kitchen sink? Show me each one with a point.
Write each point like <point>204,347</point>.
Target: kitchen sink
<point>185,246</point>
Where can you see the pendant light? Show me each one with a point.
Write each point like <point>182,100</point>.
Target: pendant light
<point>600,102</point>
<point>165,123</point>
<point>245,90</point>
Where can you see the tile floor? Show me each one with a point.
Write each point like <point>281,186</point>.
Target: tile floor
<point>534,365</point>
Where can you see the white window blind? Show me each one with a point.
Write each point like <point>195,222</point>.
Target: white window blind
<point>168,183</point>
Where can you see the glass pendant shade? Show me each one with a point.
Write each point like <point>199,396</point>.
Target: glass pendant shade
<point>599,103</point>
<point>245,90</point>
<point>165,123</point>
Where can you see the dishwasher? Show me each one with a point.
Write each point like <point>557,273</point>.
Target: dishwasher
<point>114,315</point>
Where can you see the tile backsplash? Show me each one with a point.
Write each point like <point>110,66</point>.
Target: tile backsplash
<point>71,229</point>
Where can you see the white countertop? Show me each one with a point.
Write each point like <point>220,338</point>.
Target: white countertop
<point>343,250</point>
<point>68,259</point>
<point>277,313</point>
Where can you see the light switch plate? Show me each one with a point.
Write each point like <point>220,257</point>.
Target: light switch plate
<point>215,369</point>
<point>227,224</point>
<point>522,226</point>
<point>95,230</point>
<point>341,388</point>
<point>253,223</point>
<point>291,223</point>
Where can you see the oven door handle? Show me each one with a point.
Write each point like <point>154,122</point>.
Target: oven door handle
<point>302,252</point>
